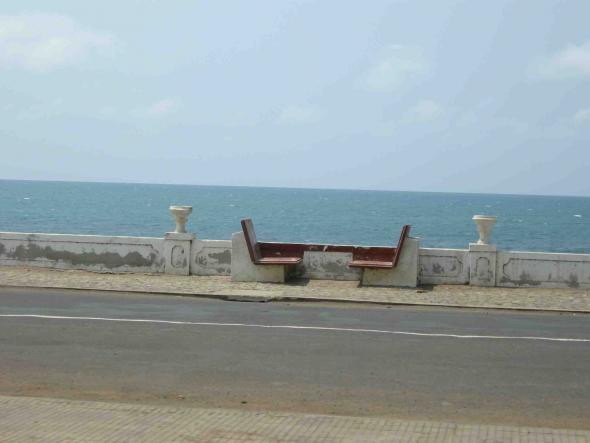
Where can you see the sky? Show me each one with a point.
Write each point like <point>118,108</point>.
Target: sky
<point>439,95</point>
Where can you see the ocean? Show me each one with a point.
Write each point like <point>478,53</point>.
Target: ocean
<point>441,220</point>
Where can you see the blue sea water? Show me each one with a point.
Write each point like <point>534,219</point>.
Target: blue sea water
<point>525,223</point>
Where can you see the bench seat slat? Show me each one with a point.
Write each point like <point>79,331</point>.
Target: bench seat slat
<point>278,261</point>
<point>371,264</point>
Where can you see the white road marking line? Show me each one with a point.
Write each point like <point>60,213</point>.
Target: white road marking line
<point>313,328</point>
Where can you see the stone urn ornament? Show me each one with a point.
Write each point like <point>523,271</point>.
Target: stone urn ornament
<point>484,224</point>
<point>181,214</point>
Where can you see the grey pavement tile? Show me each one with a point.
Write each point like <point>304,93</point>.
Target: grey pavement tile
<point>54,420</point>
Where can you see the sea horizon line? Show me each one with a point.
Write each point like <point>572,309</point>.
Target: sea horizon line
<point>107,182</point>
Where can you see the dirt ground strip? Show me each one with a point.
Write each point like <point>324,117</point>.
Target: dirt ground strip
<point>329,290</point>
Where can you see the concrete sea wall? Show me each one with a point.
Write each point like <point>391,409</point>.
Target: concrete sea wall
<point>210,257</point>
<point>114,254</point>
<point>89,252</point>
<point>182,253</point>
<point>327,266</point>
<point>443,266</point>
<point>540,269</point>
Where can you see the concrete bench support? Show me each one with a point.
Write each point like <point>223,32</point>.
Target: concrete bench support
<point>242,268</point>
<point>405,274</point>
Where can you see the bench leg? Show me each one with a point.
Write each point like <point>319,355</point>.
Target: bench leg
<point>404,275</point>
<point>242,268</point>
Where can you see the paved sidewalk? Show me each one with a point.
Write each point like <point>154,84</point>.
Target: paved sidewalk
<point>51,420</point>
<point>577,300</point>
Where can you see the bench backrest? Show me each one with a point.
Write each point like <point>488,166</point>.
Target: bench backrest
<point>400,244</point>
<point>251,241</point>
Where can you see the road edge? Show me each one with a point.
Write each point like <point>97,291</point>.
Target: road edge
<point>252,298</point>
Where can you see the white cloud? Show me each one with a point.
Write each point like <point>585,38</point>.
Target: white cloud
<point>42,42</point>
<point>582,116</point>
<point>572,61</point>
<point>158,109</point>
<point>424,111</point>
<point>398,65</point>
<point>299,114</point>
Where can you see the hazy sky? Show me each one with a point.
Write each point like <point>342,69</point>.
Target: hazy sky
<point>468,96</point>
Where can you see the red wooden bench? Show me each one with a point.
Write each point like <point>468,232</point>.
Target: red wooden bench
<point>271,253</point>
<point>257,254</point>
<point>374,258</point>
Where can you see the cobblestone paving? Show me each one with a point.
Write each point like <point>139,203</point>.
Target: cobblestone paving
<point>329,290</point>
<point>51,420</point>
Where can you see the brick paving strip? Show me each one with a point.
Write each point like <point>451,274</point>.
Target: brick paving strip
<point>570,300</point>
<point>55,420</point>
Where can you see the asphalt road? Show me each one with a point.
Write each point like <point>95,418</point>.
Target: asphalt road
<point>420,363</point>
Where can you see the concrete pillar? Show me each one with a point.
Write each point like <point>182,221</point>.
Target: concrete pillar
<point>177,244</point>
<point>177,252</point>
<point>482,265</point>
<point>482,255</point>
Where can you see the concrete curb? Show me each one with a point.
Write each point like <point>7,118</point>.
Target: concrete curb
<point>255,296</point>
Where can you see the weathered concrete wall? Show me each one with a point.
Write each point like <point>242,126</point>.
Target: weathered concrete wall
<point>511,269</point>
<point>214,257</point>
<point>116,254</point>
<point>89,252</point>
<point>327,266</point>
<point>443,266</point>
<point>542,270</point>
<point>211,257</point>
